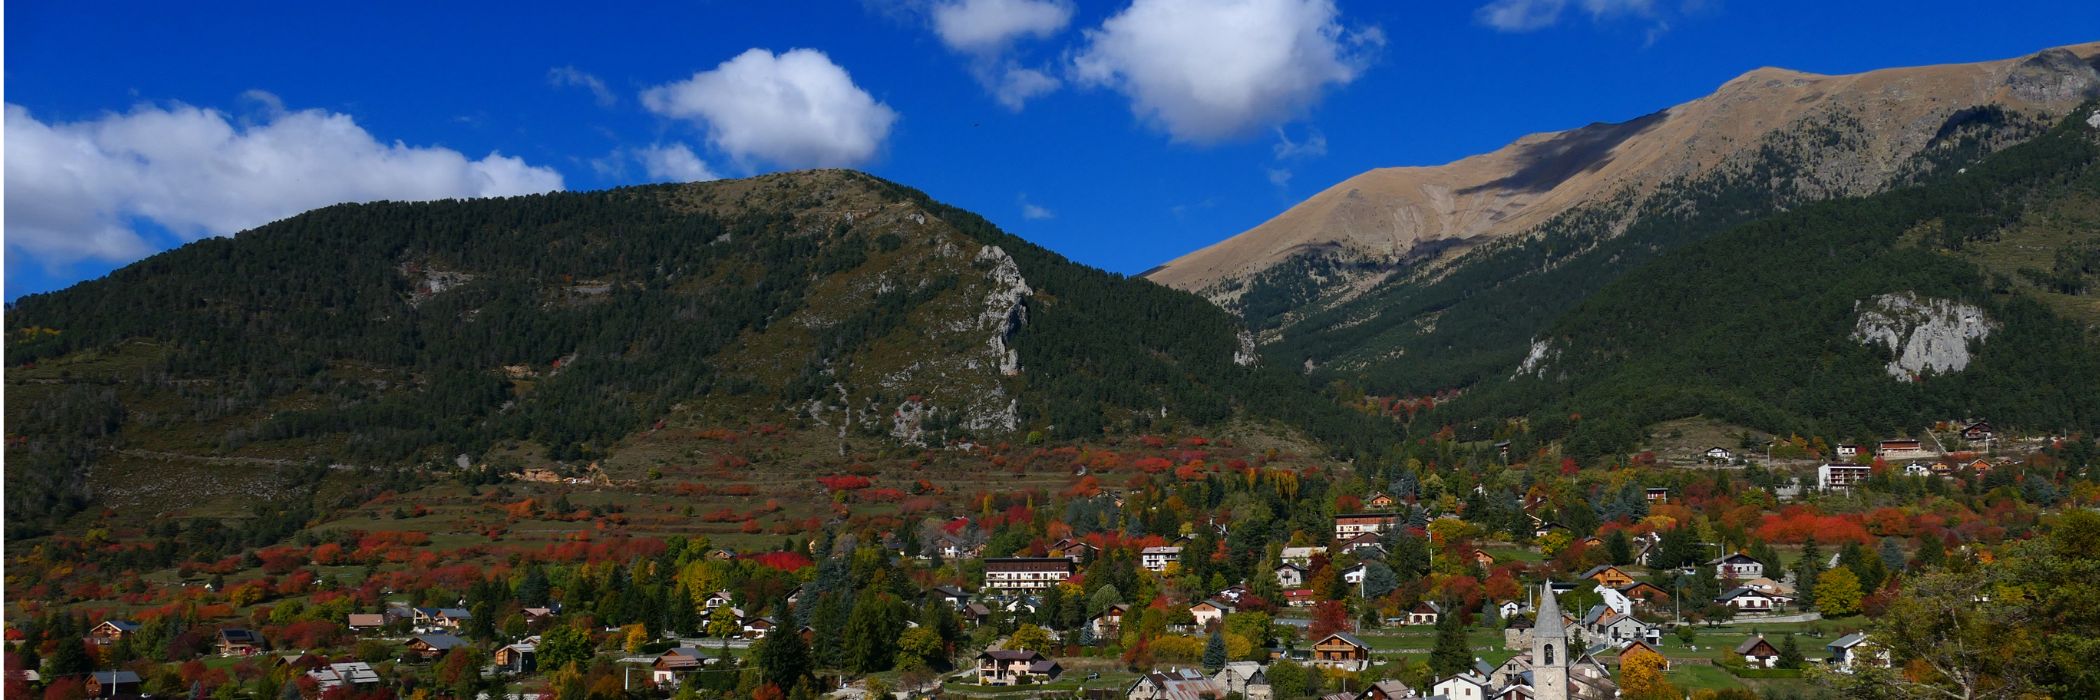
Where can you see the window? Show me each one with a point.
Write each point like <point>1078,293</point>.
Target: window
<point>1549,655</point>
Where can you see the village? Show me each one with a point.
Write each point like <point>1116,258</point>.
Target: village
<point>1208,577</point>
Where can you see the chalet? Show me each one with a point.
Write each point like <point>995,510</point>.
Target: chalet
<point>1381,501</point>
<point>234,641</point>
<point>1354,575</point>
<point>520,657</point>
<point>1719,455</point>
<point>1385,690</point>
<point>1977,431</point>
<point>1656,495</point>
<point>1209,611</point>
<point>112,630</point>
<point>350,673</point>
<point>1901,448</point>
<point>1108,625</point>
<point>1300,598</point>
<point>1233,593</point>
<point>1076,550</point>
<point>758,627</point>
<point>1157,558</point>
<point>1008,667</point>
<point>1245,678</point>
<point>1777,589</point>
<point>1301,556</point>
<point>1604,623</point>
<point>1643,647</point>
<point>1341,650</point>
<point>1643,592</point>
<point>1541,527</point>
<point>1738,566</point>
<point>1353,524</point>
<point>1176,684</point>
<point>1841,477</point>
<point>1469,685</point>
<point>1423,613</point>
<point>1361,545</point>
<point>1748,599</point>
<point>1758,652</point>
<point>977,613</point>
<point>364,622</point>
<point>717,599</point>
<point>1484,559</point>
<point>1981,466</point>
<point>431,646</point>
<point>1608,575</point>
<point>1021,605</point>
<point>1941,469</point>
<point>954,597</point>
<point>1847,452</point>
<point>1023,573</point>
<point>1852,650</point>
<point>1289,575</point>
<point>670,669</point>
<point>110,684</point>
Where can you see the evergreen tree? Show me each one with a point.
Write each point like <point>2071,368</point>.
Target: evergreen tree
<point>1789,652</point>
<point>1806,571</point>
<point>1452,654</point>
<point>1214,652</point>
<point>783,659</point>
<point>1619,548</point>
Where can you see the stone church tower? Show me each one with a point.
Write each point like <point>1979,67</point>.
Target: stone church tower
<point>1550,652</point>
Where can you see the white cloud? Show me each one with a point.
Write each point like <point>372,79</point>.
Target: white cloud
<point>1209,70</point>
<point>1035,212</point>
<point>77,189</point>
<point>987,26</point>
<point>1520,15</point>
<point>1015,86</point>
<point>1533,15</point>
<point>569,76</point>
<point>793,110</point>
<point>674,163</point>
<point>1279,177</point>
<point>1314,145</point>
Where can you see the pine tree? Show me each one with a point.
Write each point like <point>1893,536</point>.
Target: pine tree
<point>1214,652</point>
<point>1451,655</point>
<point>783,659</point>
<point>1789,652</point>
<point>1806,571</point>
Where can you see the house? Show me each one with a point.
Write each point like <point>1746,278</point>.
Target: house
<point>234,641</point>
<point>1108,625</point>
<point>431,646</point>
<point>1385,690</point>
<point>1381,501</point>
<point>1748,599</point>
<point>1853,649</point>
<point>717,599</point>
<point>757,627</point>
<point>452,618</point>
<point>1643,592</point>
<point>1176,684</point>
<point>1608,575</point>
<point>538,616</point>
<point>1656,495</point>
<point>1917,469</point>
<point>112,630</point>
<point>1508,609</point>
<point>1209,611</point>
<point>1641,646</point>
<point>1244,677</point>
<point>1289,575</point>
<point>361,622</point>
<point>1076,550</point>
<point>1901,448</point>
<point>1484,559</point>
<point>1738,566</point>
<point>1719,455</point>
<point>520,657</point>
<point>1469,685</point>
<point>952,547</point>
<point>1301,556</point>
<point>1841,477</point>
<point>1981,466</point>
<point>1362,545</point>
<point>977,613</point>
<point>1011,666</point>
<point>350,673</point>
<point>1847,453</point>
<point>1354,575</point>
<point>1300,598</point>
<point>110,684</point>
<point>1758,652</point>
<point>1423,613</point>
<point>1341,650</point>
<point>1977,431</point>
<point>1157,558</point>
<point>1353,524</point>
<point>670,668</point>
<point>1023,573</point>
<point>1233,593</point>
<point>954,597</point>
<point>1619,628</point>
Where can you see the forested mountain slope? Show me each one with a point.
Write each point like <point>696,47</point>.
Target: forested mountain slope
<point>1853,318</point>
<point>554,326</point>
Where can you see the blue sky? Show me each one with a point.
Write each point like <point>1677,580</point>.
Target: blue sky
<point>1120,134</point>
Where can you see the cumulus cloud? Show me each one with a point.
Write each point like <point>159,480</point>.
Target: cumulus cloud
<point>674,163</point>
<point>1209,70</point>
<point>980,26</point>
<point>796,109</point>
<point>79,190</point>
<point>986,31</point>
<point>569,76</point>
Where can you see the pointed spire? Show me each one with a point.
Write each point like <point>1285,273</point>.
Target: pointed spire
<point>1549,624</point>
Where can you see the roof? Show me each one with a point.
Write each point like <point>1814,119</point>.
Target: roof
<point>1600,568</point>
<point>460,613</point>
<point>122,625</point>
<point>1346,637</point>
<point>1010,654</point>
<point>1740,591</point>
<point>367,619</point>
<point>1848,641</point>
<point>1734,558</point>
<point>1549,623</point>
<point>1750,644</point>
<point>114,677</point>
<point>237,635</point>
<point>440,642</point>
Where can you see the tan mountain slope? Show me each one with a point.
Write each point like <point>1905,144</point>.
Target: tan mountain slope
<point>1392,215</point>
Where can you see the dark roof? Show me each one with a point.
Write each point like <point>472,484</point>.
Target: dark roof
<point>1346,637</point>
<point>239,636</point>
<point>115,677</point>
<point>1010,654</point>
<point>1750,644</point>
<point>122,625</point>
<point>441,642</point>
